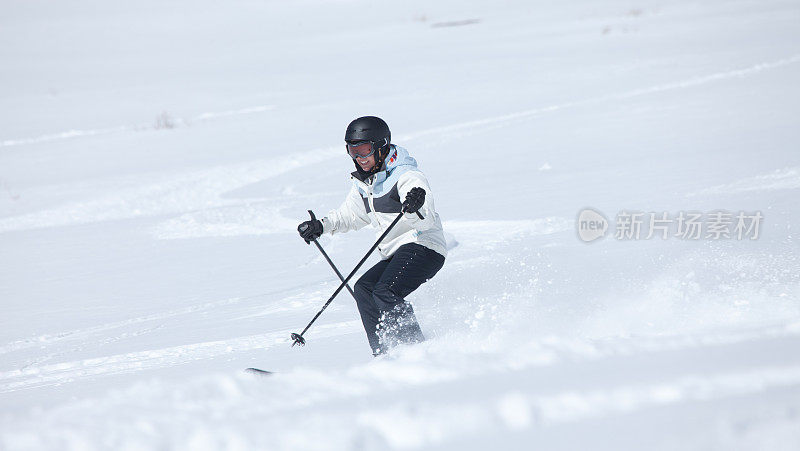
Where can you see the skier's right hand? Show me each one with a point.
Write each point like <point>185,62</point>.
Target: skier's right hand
<point>310,230</point>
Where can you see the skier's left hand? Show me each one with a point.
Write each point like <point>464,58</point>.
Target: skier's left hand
<point>414,200</point>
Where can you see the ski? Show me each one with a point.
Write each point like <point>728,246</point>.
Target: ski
<point>259,372</point>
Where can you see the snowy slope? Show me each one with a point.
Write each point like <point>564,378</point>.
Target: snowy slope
<point>156,157</point>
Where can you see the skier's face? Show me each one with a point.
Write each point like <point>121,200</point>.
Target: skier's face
<point>364,154</point>
<point>366,163</point>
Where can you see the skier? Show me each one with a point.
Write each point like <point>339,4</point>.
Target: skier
<point>414,250</point>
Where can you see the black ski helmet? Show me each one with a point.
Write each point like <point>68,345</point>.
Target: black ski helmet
<point>374,130</point>
<point>368,128</point>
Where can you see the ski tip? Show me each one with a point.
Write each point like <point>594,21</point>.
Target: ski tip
<point>258,371</point>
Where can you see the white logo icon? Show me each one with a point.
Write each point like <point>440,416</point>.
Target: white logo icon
<point>591,225</point>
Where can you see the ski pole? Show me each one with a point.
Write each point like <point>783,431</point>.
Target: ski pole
<point>324,254</point>
<point>297,339</point>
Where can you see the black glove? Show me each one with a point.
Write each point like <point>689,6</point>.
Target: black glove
<point>414,200</point>
<point>310,230</point>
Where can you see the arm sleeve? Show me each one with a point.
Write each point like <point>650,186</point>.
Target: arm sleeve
<point>410,180</point>
<point>351,215</point>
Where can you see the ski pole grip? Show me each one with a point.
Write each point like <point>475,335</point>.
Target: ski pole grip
<point>313,218</point>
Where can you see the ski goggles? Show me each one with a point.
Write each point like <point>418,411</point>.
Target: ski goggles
<point>361,149</point>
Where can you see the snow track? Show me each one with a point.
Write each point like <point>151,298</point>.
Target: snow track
<point>780,179</point>
<point>174,122</point>
<point>174,194</point>
<point>60,373</point>
<point>509,119</point>
<point>83,334</point>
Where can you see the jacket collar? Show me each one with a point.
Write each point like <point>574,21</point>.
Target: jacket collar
<point>361,176</point>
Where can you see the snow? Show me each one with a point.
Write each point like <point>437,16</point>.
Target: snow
<point>156,157</point>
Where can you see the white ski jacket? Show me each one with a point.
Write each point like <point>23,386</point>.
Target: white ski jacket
<point>377,200</point>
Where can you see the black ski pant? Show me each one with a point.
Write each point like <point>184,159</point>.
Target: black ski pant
<point>380,295</point>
